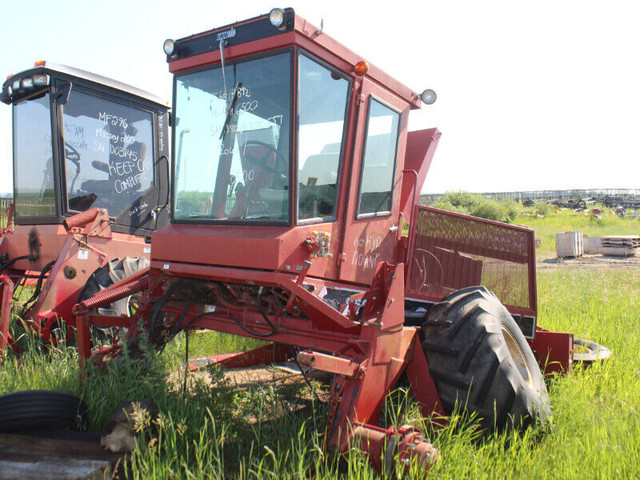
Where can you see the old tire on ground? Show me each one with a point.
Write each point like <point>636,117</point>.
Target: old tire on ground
<point>479,358</point>
<point>587,351</point>
<point>107,275</point>
<point>41,410</point>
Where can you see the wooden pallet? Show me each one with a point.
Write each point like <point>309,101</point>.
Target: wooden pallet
<point>66,456</point>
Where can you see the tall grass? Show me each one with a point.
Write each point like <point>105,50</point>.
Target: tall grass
<point>212,430</point>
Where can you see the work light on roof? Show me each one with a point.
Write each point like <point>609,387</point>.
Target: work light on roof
<point>276,17</point>
<point>429,97</point>
<point>15,84</point>
<point>41,80</point>
<point>169,46</point>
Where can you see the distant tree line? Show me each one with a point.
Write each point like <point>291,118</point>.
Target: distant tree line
<point>623,194</point>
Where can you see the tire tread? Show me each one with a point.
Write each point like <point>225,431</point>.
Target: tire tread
<point>469,360</point>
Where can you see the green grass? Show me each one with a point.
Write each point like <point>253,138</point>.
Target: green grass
<point>566,220</point>
<point>204,432</point>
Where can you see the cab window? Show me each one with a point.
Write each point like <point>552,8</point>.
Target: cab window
<point>379,160</point>
<point>33,158</point>
<point>108,151</point>
<point>322,110</point>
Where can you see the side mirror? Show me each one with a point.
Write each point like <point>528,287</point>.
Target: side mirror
<point>63,92</point>
<point>98,165</point>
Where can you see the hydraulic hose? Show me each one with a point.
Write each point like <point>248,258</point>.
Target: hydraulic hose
<point>237,322</point>
<point>179,324</point>
<point>8,263</point>
<point>38,289</point>
<point>156,311</point>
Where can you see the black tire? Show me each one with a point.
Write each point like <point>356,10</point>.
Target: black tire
<point>479,359</point>
<point>107,275</point>
<point>41,410</point>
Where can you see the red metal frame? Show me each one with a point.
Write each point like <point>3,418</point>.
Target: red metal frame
<point>366,352</point>
<point>82,244</point>
<point>553,350</point>
<point>6,292</point>
<point>501,246</point>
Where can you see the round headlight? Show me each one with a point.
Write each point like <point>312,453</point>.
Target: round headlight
<point>429,97</point>
<point>169,46</point>
<point>276,17</point>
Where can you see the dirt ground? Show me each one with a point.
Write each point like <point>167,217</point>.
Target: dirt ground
<point>589,261</point>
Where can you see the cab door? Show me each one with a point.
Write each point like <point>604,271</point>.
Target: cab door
<point>372,222</point>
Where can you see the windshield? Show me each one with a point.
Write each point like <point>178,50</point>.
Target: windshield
<point>108,151</point>
<point>33,158</point>
<point>232,159</point>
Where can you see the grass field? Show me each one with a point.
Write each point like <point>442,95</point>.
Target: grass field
<point>566,220</point>
<point>211,430</point>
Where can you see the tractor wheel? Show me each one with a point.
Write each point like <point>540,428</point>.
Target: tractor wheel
<point>107,275</point>
<point>480,360</point>
<point>41,410</point>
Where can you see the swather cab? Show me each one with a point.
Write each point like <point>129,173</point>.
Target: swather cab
<point>91,181</point>
<point>266,153</point>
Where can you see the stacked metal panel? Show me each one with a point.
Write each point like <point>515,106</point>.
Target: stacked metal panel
<point>620,245</point>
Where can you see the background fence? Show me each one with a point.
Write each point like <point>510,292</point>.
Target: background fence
<point>4,210</point>
<point>608,196</point>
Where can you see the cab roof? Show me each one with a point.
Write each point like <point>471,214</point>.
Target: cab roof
<point>49,68</point>
<point>257,35</point>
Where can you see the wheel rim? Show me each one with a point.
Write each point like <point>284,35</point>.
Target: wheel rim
<point>518,357</point>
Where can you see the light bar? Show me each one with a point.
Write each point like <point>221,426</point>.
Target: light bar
<point>20,87</point>
<point>41,80</point>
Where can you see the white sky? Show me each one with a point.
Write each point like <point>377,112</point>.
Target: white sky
<point>531,95</point>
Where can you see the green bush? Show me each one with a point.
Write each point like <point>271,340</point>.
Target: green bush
<point>462,199</point>
<point>449,207</point>
<point>505,210</point>
<point>543,208</point>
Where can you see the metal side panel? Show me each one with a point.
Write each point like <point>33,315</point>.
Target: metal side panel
<point>449,251</point>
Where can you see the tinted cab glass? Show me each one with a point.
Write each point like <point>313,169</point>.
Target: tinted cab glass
<point>33,174</point>
<point>108,149</point>
<point>79,143</point>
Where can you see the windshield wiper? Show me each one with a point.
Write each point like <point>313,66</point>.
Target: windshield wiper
<point>232,106</point>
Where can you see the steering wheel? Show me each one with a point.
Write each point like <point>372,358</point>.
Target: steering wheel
<point>262,161</point>
<point>72,154</point>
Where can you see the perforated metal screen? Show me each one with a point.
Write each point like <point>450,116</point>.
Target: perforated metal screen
<point>450,251</point>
